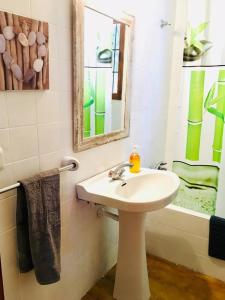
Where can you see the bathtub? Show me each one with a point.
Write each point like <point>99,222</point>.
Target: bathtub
<point>181,235</point>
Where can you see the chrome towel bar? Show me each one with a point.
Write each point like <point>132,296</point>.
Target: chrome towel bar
<point>71,167</point>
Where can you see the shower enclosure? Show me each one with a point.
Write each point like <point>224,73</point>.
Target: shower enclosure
<point>195,136</point>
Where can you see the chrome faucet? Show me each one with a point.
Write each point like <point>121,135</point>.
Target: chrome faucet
<point>117,173</point>
<point>160,166</point>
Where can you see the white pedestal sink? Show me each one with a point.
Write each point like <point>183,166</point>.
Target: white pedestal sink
<point>146,191</point>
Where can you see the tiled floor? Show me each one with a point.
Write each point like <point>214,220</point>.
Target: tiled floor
<point>167,282</point>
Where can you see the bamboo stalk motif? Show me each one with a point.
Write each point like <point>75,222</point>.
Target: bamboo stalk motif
<point>195,113</point>
<point>88,100</point>
<point>219,123</point>
<point>100,101</point>
<point>104,44</point>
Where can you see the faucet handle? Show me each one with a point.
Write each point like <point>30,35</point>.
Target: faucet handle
<point>121,171</point>
<point>162,166</point>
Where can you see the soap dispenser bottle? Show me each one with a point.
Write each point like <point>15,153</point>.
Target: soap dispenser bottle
<point>135,160</point>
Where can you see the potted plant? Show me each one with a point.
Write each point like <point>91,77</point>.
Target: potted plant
<point>195,47</point>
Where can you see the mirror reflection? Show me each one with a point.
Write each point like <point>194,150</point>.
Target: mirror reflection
<point>104,74</point>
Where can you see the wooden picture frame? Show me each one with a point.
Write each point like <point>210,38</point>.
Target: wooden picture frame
<point>24,54</point>
<point>81,143</point>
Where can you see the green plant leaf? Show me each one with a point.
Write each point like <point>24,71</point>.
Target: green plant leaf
<point>88,103</point>
<point>210,101</point>
<point>194,32</point>
<point>200,28</point>
<point>198,45</point>
<point>210,96</point>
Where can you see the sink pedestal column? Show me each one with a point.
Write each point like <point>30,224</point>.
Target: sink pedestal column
<point>131,274</point>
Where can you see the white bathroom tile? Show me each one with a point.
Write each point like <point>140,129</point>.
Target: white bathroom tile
<point>48,107</point>
<point>7,213</point>
<point>10,269</point>
<point>23,142</point>
<point>4,144</point>
<point>174,251</point>
<point>31,289</point>
<point>67,133</point>
<point>3,111</point>
<point>65,48</point>
<point>55,74</point>
<point>50,160</point>
<point>65,77</point>
<point>186,221</point>
<point>50,139</point>
<point>64,13</point>
<point>44,10</point>
<point>6,179</point>
<point>21,7</point>
<point>25,168</point>
<point>53,41</point>
<point>161,231</point>
<point>21,108</point>
<point>66,110</point>
<point>68,180</point>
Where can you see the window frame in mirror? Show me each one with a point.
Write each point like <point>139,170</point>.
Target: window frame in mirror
<point>79,142</point>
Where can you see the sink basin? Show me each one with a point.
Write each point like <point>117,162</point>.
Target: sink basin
<point>145,191</point>
<point>137,194</point>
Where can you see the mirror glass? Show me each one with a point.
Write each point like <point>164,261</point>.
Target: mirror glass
<point>102,43</point>
<point>104,91</point>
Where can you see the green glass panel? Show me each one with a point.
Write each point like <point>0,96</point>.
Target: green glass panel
<point>99,124</point>
<point>88,101</point>
<point>198,188</point>
<point>100,101</point>
<point>219,124</point>
<point>193,141</point>
<point>195,114</point>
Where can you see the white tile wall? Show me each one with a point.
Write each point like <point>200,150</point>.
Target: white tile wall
<point>3,111</point>
<point>4,138</point>
<point>36,133</point>
<point>23,142</point>
<point>21,109</point>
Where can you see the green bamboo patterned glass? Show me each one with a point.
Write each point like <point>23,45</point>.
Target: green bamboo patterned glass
<point>88,101</point>
<point>219,123</point>
<point>104,38</point>
<point>198,187</point>
<point>199,175</point>
<point>100,101</point>
<point>195,115</point>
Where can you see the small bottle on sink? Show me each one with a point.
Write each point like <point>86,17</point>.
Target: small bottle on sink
<point>135,160</point>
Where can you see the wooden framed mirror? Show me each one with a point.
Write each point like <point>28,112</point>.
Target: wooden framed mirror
<point>101,67</point>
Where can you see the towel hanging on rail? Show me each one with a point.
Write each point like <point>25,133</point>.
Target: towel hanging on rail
<point>39,226</point>
<point>217,237</point>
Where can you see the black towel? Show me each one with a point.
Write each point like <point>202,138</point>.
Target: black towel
<point>217,237</point>
<point>39,226</point>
